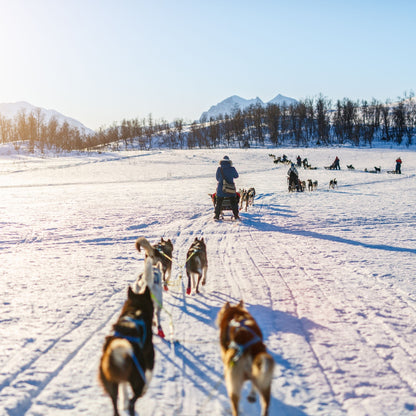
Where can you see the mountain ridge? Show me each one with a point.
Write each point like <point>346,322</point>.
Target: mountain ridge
<point>11,110</point>
<point>227,105</point>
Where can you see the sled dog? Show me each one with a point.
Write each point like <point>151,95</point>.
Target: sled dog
<point>244,356</point>
<point>333,183</point>
<point>312,185</point>
<point>247,197</point>
<point>128,353</point>
<point>155,285</point>
<point>243,197</point>
<point>251,193</point>
<point>162,252</point>
<point>196,265</point>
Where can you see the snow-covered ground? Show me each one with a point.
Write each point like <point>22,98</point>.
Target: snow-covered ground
<point>329,275</point>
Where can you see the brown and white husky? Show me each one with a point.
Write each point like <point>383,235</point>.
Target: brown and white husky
<point>244,356</point>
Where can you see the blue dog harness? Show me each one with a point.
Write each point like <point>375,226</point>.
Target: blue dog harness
<point>240,348</point>
<point>140,340</point>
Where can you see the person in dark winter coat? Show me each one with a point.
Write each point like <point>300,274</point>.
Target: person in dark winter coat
<point>335,165</point>
<point>293,176</point>
<point>226,171</point>
<point>398,165</point>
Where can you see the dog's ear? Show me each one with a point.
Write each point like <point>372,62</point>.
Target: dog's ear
<point>202,239</point>
<point>241,304</point>
<point>162,240</point>
<point>130,292</point>
<point>227,306</point>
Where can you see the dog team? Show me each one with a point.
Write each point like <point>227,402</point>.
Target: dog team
<point>128,355</point>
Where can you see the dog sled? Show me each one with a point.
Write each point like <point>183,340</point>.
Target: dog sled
<point>226,203</point>
<point>375,170</point>
<point>295,184</point>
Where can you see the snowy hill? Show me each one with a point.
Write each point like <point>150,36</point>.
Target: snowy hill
<point>11,110</point>
<point>229,104</point>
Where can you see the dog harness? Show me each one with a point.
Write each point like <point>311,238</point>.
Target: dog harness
<point>160,250</point>
<point>240,348</point>
<point>195,250</point>
<point>140,340</point>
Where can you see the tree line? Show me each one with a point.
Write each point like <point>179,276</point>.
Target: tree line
<point>309,122</point>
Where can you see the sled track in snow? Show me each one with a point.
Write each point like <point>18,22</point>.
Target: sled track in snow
<point>57,353</point>
<point>400,360</point>
<point>261,251</point>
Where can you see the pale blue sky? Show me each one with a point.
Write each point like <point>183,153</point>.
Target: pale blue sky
<point>100,61</point>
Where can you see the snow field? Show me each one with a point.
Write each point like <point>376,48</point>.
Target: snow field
<point>329,276</point>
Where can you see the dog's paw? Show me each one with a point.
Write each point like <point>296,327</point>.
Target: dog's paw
<point>161,333</point>
<point>165,287</point>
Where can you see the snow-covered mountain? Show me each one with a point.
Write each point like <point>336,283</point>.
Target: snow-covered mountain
<point>11,110</point>
<point>229,104</point>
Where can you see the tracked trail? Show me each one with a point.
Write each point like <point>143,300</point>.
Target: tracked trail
<point>341,296</point>
<point>342,339</point>
<point>282,283</point>
<point>48,362</point>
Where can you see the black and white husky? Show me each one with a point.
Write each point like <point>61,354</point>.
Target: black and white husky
<point>128,353</point>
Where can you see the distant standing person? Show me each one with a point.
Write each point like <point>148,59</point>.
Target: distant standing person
<point>398,165</point>
<point>299,161</point>
<point>335,165</point>
<point>226,171</point>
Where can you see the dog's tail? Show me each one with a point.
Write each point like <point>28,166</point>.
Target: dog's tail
<point>262,369</point>
<point>117,362</point>
<point>142,242</point>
